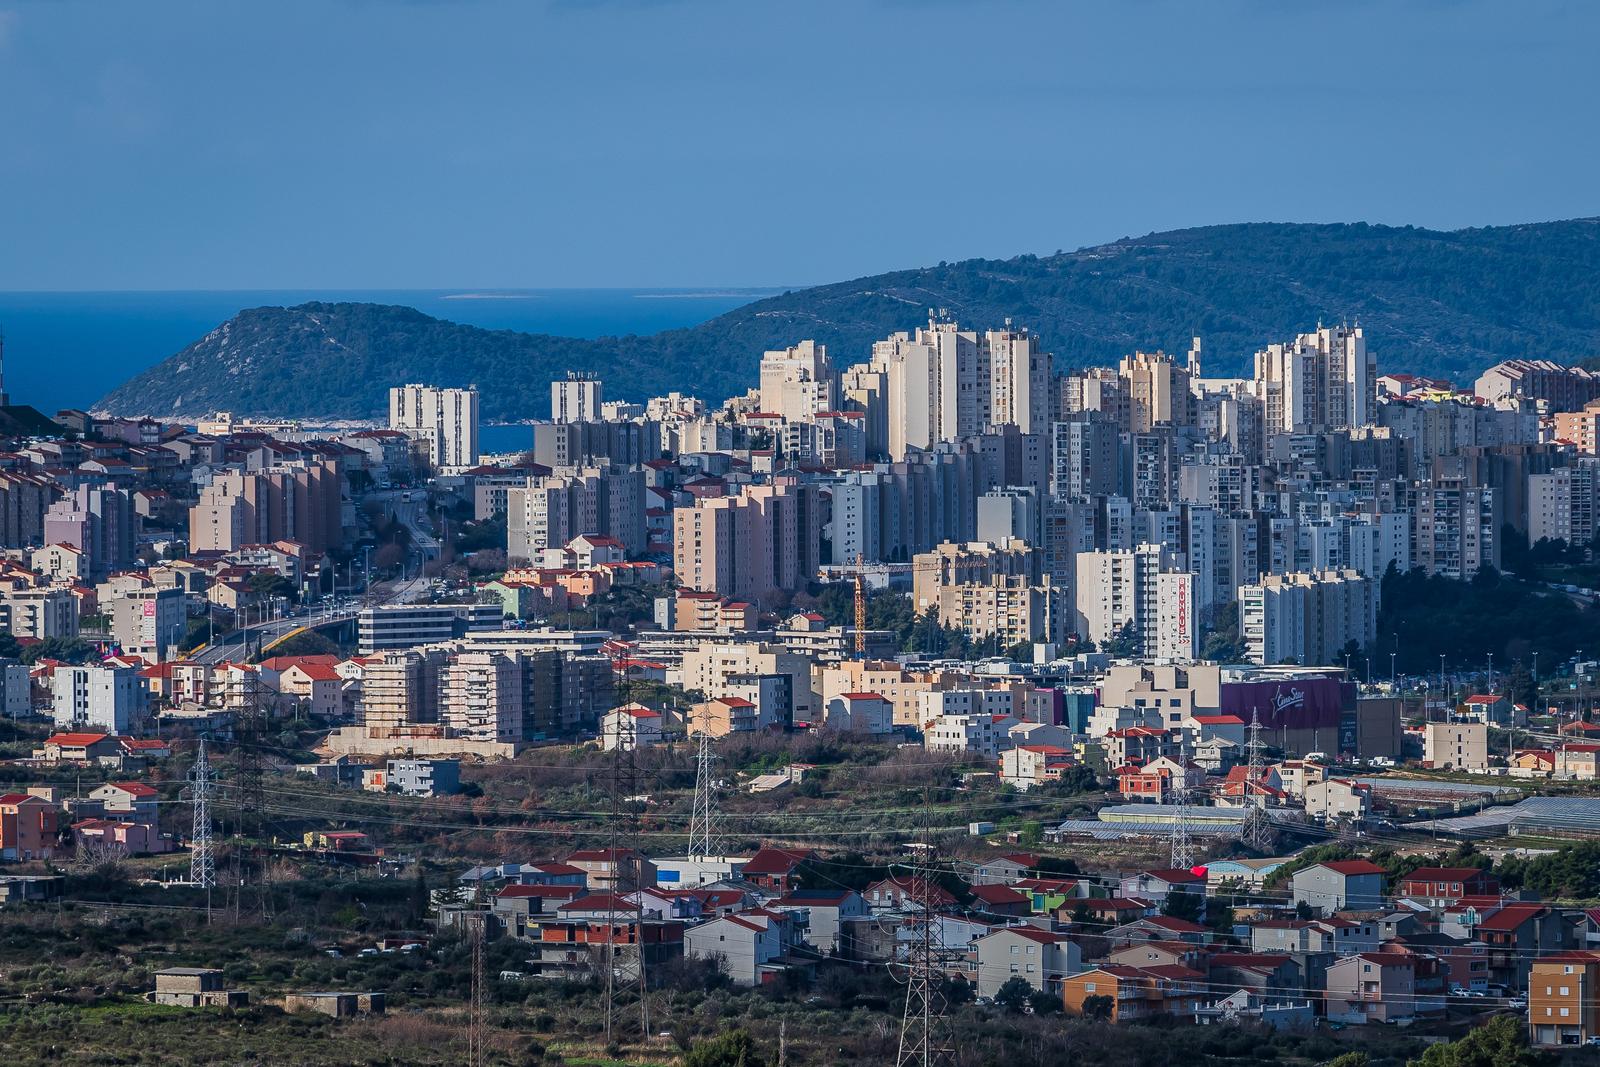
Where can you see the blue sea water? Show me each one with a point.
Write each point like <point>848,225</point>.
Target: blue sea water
<point>66,350</point>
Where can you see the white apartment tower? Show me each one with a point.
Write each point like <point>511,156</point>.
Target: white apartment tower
<point>445,420</point>
<point>1318,382</point>
<point>945,383</point>
<point>1145,589</point>
<point>798,382</point>
<point>577,398</point>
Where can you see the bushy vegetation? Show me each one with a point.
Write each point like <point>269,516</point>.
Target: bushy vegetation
<point>1425,616</point>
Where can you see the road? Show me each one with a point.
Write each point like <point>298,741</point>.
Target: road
<point>239,644</point>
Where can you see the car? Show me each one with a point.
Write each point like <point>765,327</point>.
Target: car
<point>367,952</point>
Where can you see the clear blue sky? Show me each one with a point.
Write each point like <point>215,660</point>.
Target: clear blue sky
<point>364,143</point>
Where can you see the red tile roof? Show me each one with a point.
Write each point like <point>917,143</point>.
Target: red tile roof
<point>1351,867</point>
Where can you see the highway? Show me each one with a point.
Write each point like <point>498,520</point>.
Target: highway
<point>239,644</point>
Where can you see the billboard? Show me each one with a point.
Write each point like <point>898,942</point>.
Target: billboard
<point>1289,703</point>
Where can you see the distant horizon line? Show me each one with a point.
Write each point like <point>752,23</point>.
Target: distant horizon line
<point>456,292</point>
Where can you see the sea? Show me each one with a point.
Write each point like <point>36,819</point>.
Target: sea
<point>66,350</point>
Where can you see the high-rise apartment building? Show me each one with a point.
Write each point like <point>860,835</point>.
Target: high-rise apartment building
<point>24,499</point>
<point>1085,454</point>
<point>444,420</point>
<point>1563,388</point>
<point>1158,391</point>
<point>108,699</point>
<point>297,502</point>
<point>1307,619</point>
<point>798,382</point>
<point>148,622</point>
<point>1317,382</point>
<point>481,697</point>
<point>576,398</point>
<point>1142,593</point>
<point>1561,504</point>
<point>946,384</point>
<point>766,539</point>
<point>98,521</point>
<point>1457,528</point>
<point>549,511</point>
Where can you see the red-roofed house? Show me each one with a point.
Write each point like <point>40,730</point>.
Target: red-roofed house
<point>1029,765</point>
<point>317,688</point>
<point>1152,782</point>
<point>773,869</point>
<point>999,900</point>
<point>79,747</point>
<point>1519,932</point>
<point>749,947</point>
<point>128,801</point>
<point>1491,709</point>
<point>1440,887</point>
<point>631,726</point>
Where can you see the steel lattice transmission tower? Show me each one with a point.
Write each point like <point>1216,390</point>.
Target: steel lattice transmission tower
<point>250,729</point>
<point>1183,850</point>
<point>703,838</point>
<point>202,860</point>
<point>1256,831</point>
<point>623,834</point>
<point>925,1003</point>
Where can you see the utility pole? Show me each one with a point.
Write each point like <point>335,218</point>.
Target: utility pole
<point>475,1028</point>
<point>202,861</point>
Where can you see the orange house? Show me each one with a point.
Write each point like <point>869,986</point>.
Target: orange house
<point>1136,992</point>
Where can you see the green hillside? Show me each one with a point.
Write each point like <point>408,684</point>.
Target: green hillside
<point>1443,304</point>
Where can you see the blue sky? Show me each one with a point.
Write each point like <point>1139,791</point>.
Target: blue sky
<point>363,143</point>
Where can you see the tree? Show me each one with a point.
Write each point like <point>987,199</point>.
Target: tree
<point>1350,1059</point>
<point>1013,994</point>
<point>1186,906</point>
<point>1124,643</point>
<point>1500,1042</point>
<point>267,584</point>
<point>1098,1007</point>
<point>1044,1003</point>
<point>736,1048</point>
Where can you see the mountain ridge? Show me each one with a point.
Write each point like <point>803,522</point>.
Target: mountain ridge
<point>1442,303</point>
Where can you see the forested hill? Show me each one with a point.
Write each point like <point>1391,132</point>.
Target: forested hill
<point>1443,304</point>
